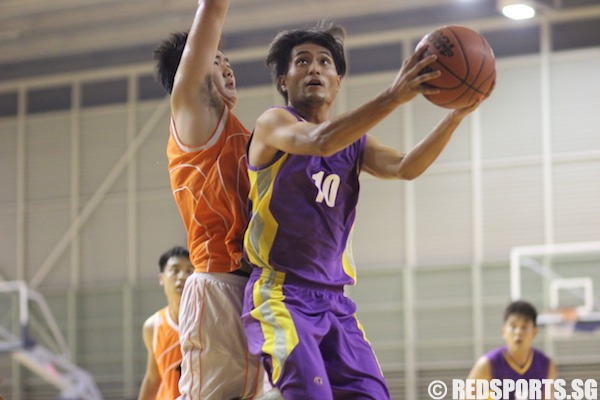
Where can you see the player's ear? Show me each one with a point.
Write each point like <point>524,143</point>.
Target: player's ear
<point>161,279</point>
<point>282,83</point>
<point>339,82</point>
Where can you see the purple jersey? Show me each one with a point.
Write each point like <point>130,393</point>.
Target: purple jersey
<point>302,214</point>
<point>503,366</point>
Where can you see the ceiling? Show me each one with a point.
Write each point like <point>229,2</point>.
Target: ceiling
<point>42,29</point>
<point>33,29</point>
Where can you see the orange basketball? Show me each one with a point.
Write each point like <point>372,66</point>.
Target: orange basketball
<point>467,63</point>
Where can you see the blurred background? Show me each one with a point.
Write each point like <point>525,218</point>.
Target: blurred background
<point>86,207</point>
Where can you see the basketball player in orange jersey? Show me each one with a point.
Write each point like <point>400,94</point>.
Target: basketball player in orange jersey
<point>207,169</point>
<point>161,330</point>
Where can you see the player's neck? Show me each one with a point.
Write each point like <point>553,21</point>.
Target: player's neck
<point>173,311</point>
<point>519,356</point>
<point>316,114</point>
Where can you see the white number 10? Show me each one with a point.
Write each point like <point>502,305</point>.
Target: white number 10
<point>328,187</point>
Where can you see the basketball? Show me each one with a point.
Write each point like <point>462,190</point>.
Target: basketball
<point>467,63</point>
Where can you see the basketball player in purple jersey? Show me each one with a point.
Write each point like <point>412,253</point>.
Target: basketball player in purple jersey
<point>304,167</point>
<point>518,359</point>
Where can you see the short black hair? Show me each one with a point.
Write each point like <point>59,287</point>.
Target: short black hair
<point>521,308</point>
<point>176,251</point>
<point>280,51</point>
<point>167,56</point>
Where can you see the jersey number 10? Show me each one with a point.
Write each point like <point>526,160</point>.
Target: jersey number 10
<point>327,188</point>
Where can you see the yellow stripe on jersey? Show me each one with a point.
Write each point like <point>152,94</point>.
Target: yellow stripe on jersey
<point>368,341</point>
<point>348,258</point>
<point>262,228</point>
<point>276,322</point>
<point>519,369</point>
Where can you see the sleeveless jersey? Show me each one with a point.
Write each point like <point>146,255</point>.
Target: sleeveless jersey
<point>210,186</point>
<point>537,366</point>
<point>303,210</point>
<point>167,354</point>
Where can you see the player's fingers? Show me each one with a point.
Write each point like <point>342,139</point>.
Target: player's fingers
<point>415,58</point>
<point>422,67</point>
<point>425,77</point>
<point>428,90</point>
<point>420,51</point>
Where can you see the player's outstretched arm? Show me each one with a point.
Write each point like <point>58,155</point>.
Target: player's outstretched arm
<point>276,131</point>
<point>386,162</point>
<point>195,104</point>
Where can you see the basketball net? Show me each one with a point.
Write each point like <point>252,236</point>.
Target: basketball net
<point>566,326</point>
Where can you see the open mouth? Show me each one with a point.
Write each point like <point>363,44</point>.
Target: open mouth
<point>314,83</point>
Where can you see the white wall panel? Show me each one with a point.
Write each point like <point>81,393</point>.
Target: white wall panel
<point>378,294</point>
<point>103,142</point>
<point>512,119</point>
<point>378,230</point>
<point>253,102</point>
<point>577,201</point>
<point>513,212</point>
<point>378,284</point>
<point>495,283</point>
<point>8,196</point>
<point>104,245</point>
<point>447,285</point>
<point>8,161</point>
<point>575,102</point>
<point>426,116</point>
<point>444,220</point>
<point>8,242</point>
<point>493,316</point>
<point>101,314</point>
<point>438,354</point>
<point>48,164</point>
<point>359,90</point>
<point>441,323</point>
<point>152,163</point>
<point>45,224</point>
<point>160,228</point>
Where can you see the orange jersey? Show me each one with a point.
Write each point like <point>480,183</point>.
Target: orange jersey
<point>210,185</point>
<point>167,354</point>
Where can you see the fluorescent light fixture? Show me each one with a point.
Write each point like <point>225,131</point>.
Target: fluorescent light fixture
<point>517,9</point>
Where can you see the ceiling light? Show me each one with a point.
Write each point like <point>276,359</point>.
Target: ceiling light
<point>518,9</point>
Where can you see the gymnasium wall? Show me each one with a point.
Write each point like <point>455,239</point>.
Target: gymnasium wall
<point>86,209</point>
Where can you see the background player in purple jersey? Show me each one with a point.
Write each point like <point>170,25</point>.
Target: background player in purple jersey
<point>518,359</point>
<point>304,167</point>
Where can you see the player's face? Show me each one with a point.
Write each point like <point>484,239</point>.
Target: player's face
<point>312,76</point>
<point>518,332</point>
<point>174,275</point>
<point>224,80</point>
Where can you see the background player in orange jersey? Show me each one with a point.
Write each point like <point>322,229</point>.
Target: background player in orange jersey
<point>207,169</point>
<point>161,330</point>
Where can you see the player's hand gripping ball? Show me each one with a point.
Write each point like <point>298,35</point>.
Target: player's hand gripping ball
<point>467,63</point>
